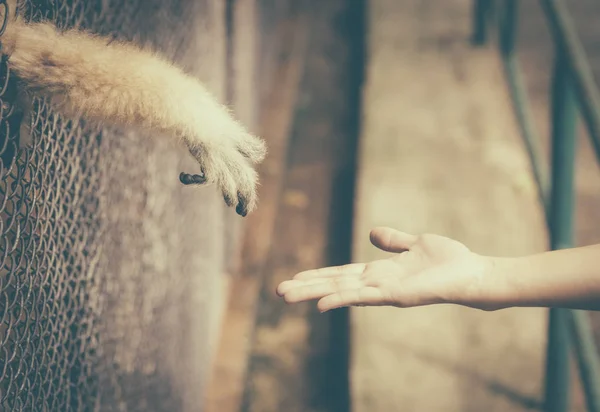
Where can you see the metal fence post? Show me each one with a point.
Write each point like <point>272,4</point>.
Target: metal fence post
<point>564,113</point>
<point>582,340</point>
<point>508,28</point>
<point>573,90</point>
<point>482,10</point>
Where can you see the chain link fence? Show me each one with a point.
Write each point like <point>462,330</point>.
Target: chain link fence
<point>111,271</point>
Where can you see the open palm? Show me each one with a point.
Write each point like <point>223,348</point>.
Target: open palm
<point>427,269</point>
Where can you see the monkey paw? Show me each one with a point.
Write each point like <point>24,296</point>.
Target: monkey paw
<point>230,165</point>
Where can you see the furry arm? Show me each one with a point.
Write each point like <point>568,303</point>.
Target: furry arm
<point>87,76</point>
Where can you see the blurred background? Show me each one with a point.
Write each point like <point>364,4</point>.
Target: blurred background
<point>122,290</point>
<point>402,119</point>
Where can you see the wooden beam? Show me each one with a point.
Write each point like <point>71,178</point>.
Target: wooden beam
<point>226,386</point>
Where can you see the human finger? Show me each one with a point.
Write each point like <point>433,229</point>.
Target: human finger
<point>365,296</point>
<point>302,292</point>
<point>287,285</point>
<point>392,240</point>
<point>344,270</point>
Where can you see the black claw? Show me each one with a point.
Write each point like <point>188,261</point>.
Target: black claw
<point>188,179</point>
<point>228,200</point>
<point>242,207</point>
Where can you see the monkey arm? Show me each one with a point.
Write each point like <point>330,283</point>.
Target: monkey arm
<point>118,83</point>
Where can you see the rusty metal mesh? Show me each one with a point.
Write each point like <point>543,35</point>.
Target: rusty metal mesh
<point>109,269</point>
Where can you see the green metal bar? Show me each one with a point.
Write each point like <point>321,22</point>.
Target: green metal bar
<point>557,379</point>
<point>565,36</point>
<point>508,27</point>
<point>564,137</point>
<point>529,132</point>
<point>564,115</point>
<point>573,80</point>
<point>571,49</point>
<point>508,34</point>
<point>481,17</point>
<point>587,358</point>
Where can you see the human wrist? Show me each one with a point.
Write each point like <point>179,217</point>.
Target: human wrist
<point>491,288</point>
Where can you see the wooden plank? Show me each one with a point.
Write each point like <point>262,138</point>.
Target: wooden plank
<point>229,369</point>
<point>291,342</point>
<point>276,122</point>
<point>243,95</point>
<point>299,356</point>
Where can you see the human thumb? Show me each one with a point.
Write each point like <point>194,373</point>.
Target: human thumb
<point>392,240</point>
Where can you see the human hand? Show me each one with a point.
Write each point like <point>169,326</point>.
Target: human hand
<point>427,269</point>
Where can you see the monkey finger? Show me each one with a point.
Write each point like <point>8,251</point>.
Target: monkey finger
<point>228,200</point>
<point>252,148</point>
<point>247,195</point>
<point>189,179</point>
<point>242,206</point>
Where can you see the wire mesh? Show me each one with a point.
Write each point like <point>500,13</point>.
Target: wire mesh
<point>110,270</point>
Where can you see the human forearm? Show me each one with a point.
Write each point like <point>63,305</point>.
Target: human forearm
<point>432,269</point>
<point>568,278</point>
